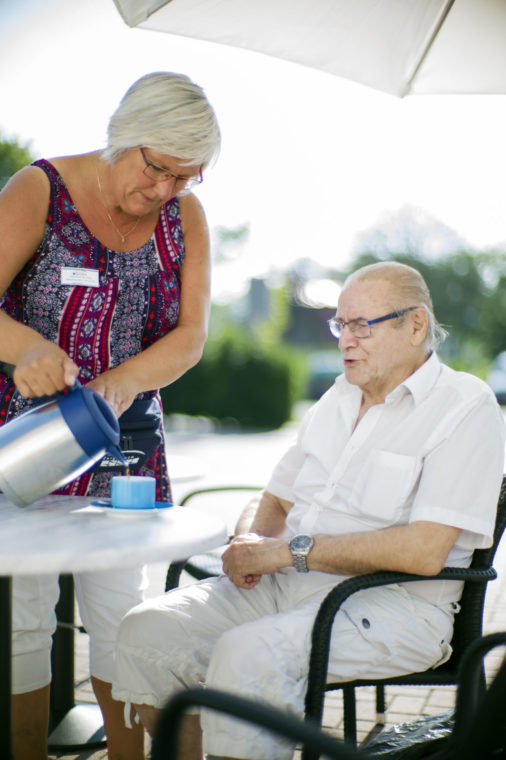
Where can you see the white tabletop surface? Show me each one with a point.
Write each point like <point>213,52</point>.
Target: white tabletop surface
<point>64,534</point>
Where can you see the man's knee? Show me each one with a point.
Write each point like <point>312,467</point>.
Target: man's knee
<point>240,655</point>
<point>140,624</point>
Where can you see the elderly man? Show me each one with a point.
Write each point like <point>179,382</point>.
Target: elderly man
<point>397,467</point>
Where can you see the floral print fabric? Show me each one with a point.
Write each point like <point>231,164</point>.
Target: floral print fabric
<point>135,303</point>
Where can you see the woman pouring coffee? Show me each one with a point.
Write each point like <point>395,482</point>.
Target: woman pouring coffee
<point>105,279</point>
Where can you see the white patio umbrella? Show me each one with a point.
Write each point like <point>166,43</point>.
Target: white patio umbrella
<point>398,46</point>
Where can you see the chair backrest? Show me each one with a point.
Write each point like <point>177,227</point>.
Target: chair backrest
<point>468,623</point>
<point>268,717</point>
<point>480,719</point>
<point>488,735</point>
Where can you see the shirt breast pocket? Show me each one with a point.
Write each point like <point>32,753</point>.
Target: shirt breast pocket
<point>386,484</point>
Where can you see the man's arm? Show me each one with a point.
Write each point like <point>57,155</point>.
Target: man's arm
<point>421,548</point>
<point>256,539</point>
<point>265,515</point>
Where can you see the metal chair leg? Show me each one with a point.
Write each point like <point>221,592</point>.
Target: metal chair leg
<point>380,705</point>
<point>350,715</point>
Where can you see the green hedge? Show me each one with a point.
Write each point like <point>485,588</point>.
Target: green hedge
<point>240,380</point>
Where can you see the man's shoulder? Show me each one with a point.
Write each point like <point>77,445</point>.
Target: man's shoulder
<point>463,383</point>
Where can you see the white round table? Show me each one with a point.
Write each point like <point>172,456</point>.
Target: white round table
<point>59,534</point>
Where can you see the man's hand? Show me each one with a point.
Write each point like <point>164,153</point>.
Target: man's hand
<point>250,556</point>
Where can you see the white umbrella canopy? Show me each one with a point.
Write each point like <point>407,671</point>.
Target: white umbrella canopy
<point>398,46</point>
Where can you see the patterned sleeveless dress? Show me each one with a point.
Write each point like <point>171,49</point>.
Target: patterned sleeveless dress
<point>135,304</point>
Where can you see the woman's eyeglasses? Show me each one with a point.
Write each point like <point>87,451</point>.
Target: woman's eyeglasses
<point>158,174</point>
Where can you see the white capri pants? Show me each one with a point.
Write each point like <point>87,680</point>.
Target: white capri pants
<point>256,643</point>
<point>103,599</point>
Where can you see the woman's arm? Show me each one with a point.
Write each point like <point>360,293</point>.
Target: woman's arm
<point>41,366</point>
<point>171,356</point>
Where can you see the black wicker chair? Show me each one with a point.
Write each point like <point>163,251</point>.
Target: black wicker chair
<point>468,628</point>
<point>468,622</point>
<point>207,565</point>
<point>479,729</point>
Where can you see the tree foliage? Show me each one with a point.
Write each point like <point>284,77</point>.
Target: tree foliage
<point>246,373</point>
<point>237,379</point>
<point>469,295</point>
<point>467,286</point>
<point>13,157</point>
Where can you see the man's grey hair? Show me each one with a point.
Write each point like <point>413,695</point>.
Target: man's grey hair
<point>410,289</point>
<point>168,113</point>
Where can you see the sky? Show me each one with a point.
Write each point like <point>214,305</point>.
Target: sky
<point>309,161</point>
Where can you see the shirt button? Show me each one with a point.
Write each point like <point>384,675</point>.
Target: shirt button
<point>366,623</point>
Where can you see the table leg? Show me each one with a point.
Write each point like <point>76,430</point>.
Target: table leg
<point>71,725</point>
<point>5,665</point>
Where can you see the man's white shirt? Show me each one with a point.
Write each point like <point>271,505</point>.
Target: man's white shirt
<point>434,450</point>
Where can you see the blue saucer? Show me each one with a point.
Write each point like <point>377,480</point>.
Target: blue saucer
<point>106,506</point>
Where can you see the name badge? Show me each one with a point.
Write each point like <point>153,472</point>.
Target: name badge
<point>89,278</point>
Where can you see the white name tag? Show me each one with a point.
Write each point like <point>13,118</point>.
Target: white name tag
<point>89,278</point>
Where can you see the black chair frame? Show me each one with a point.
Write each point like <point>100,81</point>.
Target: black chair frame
<point>467,628</point>
<point>468,622</point>
<point>479,729</point>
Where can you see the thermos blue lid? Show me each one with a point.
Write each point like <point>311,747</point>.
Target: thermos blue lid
<point>91,421</point>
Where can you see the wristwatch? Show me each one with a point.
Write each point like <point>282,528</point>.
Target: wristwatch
<point>300,546</point>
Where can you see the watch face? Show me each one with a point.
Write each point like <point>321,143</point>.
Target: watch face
<point>301,543</point>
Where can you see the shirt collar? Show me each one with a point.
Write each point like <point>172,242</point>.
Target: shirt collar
<point>421,382</point>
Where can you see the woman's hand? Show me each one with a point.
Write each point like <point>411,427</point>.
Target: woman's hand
<point>44,369</point>
<point>117,389</point>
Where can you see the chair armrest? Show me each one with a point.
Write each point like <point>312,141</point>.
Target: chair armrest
<point>345,589</point>
<point>322,627</point>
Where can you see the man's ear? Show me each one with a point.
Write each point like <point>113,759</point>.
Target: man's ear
<point>419,326</point>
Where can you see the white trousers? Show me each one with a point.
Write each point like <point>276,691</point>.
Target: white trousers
<point>103,599</point>
<point>256,643</point>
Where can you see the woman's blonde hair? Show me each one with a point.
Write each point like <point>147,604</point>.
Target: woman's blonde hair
<point>168,113</point>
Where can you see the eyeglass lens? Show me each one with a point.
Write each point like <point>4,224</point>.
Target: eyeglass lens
<point>157,174</point>
<point>358,327</point>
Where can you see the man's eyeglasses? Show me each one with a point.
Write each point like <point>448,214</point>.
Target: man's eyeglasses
<point>158,174</point>
<point>361,328</point>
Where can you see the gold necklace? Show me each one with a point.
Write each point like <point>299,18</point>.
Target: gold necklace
<point>132,228</point>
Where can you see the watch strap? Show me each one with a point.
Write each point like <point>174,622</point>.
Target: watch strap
<point>300,562</point>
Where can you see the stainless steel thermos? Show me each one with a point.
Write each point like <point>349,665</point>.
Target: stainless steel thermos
<point>54,442</point>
